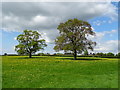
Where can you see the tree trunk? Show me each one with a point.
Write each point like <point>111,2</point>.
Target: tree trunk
<point>75,55</point>
<point>30,55</point>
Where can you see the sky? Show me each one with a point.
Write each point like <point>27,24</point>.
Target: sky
<point>44,17</point>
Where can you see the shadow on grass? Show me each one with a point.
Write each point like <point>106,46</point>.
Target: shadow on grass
<point>86,59</point>
<point>29,58</point>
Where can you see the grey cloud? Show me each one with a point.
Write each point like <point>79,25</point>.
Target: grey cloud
<point>22,9</point>
<point>45,17</point>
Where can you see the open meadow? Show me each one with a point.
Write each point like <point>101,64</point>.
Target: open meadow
<point>59,72</point>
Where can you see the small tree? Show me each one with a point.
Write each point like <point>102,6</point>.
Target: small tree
<point>101,54</point>
<point>41,54</point>
<point>85,52</point>
<point>29,43</point>
<point>110,54</point>
<point>118,55</point>
<point>73,37</point>
<point>5,54</point>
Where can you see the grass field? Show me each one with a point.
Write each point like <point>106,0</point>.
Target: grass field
<point>59,72</point>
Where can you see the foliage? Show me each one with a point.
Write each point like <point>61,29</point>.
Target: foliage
<point>40,54</point>
<point>5,54</point>
<point>59,53</point>
<point>85,52</point>
<point>118,55</point>
<point>105,54</point>
<point>110,54</point>
<point>29,43</point>
<point>73,37</point>
<point>101,54</point>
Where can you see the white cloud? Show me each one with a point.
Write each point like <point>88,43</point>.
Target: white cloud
<point>98,22</point>
<point>105,45</point>
<point>15,38</point>
<point>50,35</point>
<point>39,19</point>
<point>108,46</point>
<point>101,35</point>
<point>45,17</point>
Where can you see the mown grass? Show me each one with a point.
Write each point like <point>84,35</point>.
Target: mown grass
<point>59,72</point>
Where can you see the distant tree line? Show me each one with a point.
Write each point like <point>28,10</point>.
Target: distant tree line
<point>86,54</point>
<point>70,54</point>
<point>110,54</point>
<point>83,55</point>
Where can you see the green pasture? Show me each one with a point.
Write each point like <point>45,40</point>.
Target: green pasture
<point>59,72</point>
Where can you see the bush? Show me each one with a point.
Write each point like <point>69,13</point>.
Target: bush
<point>110,54</point>
<point>40,54</point>
<point>86,53</point>
<point>5,54</point>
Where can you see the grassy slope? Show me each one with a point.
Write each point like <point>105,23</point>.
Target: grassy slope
<point>59,72</point>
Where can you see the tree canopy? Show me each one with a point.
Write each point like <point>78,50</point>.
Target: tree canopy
<point>74,37</point>
<point>29,43</point>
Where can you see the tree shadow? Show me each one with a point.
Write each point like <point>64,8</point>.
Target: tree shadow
<point>85,59</point>
<point>63,58</point>
<point>29,58</point>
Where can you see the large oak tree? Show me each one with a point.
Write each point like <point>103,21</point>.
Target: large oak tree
<point>74,37</point>
<point>29,43</point>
